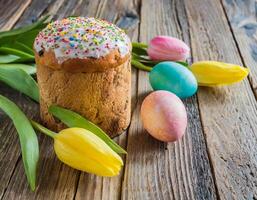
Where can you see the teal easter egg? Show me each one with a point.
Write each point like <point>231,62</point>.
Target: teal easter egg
<point>173,77</point>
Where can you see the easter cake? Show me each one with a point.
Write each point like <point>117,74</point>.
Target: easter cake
<point>83,64</point>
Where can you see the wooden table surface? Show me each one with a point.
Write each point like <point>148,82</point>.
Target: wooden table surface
<point>217,157</point>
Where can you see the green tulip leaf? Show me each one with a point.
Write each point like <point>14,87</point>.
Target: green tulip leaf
<point>139,51</point>
<point>29,69</point>
<point>27,136</point>
<point>8,58</point>
<point>28,38</point>
<point>72,119</point>
<point>144,60</point>
<point>16,76</point>
<point>24,57</point>
<point>141,57</point>
<point>20,46</point>
<point>22,39</point>
<point>139,48</point>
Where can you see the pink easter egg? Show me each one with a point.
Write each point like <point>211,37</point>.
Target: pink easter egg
<point>164,116</point>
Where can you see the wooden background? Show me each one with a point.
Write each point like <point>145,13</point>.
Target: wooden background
<point>217,157</point>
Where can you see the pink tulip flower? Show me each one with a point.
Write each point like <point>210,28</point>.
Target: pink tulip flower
<point>168,48</point>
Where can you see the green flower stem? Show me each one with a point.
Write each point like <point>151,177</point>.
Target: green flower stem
<point>141,66</point>
<point>139,45</point>
<point>42,129</point>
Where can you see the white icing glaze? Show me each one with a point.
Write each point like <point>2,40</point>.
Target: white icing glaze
<point>80,37</point>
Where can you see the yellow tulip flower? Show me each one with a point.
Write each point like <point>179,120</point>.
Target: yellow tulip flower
<point>213,73</point>
<point>83,150</point>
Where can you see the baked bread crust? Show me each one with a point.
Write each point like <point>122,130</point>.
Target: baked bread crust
<point>101,97</point>
<point>111,60</point>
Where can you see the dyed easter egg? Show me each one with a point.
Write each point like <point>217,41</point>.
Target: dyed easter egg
<point>164,116</point>
<point>173,77</point>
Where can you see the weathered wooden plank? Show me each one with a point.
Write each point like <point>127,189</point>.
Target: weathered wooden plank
<point>52,175</point>
<point>228,113</point>
<point>33,12</point>
<point>64,8</point>
<point>56,180</point>
<point>90,186</point>
<point>11,12</point>
<point>9,142</point>
<point>241,15</point>
<point>156,170</point>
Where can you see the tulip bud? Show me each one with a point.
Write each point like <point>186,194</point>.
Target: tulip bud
<point>212,73</point>
<point>83,150</point>
<point>167,48</point>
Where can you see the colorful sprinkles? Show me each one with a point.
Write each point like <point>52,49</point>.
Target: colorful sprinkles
<point>81,37</point>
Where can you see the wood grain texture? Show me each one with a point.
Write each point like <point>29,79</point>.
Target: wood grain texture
<point>34,11</point>
<point>156,170</point>
<point>11,12</point>
<point>52,176</point>
<point>9,142</point>
<point>228,113</point>
<point>241,15</point>
<point>55,180</point>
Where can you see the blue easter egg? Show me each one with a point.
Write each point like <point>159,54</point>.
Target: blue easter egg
<point>173,77</point>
